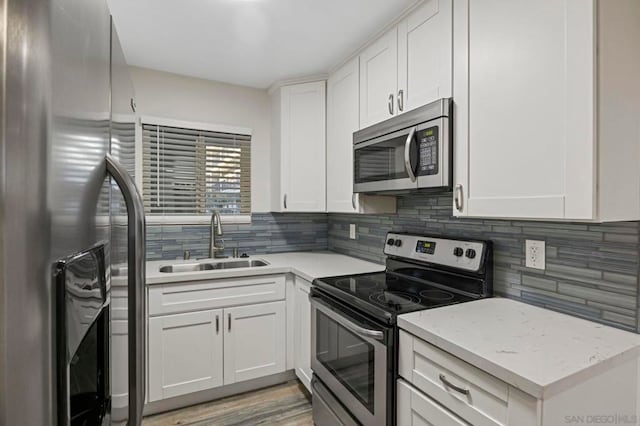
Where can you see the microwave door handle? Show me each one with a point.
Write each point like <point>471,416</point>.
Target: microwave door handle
<point>407,155</point>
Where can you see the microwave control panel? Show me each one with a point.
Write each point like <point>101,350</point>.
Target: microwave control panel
<point>428,151</point>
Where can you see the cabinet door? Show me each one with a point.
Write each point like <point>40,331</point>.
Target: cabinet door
<point>303,147</point>
<point>254,341</point>
<point>119,353</point>
<point>302,333</point>
<point>425,55</point>
<point>379,79</point>
<point>416,409</point>
<point>524,112</point>
<point>185,353</point>
<point>342,120</point>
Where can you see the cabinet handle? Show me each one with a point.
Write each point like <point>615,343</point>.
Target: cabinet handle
<point>391,104</point>
<point>353,201</point>
<point>285,201</point>
<point>448,384</point>
<point>400,100</point>
<point>457,198</point>
<point>217,324</point>
<point>132,102</point>
<point>229,317</point>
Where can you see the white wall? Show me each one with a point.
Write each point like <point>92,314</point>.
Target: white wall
<point>173,96</point>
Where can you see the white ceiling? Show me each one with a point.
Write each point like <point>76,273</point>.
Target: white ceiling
<point>247,42</point>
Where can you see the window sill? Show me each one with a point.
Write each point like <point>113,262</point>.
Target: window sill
<point>195,220</point>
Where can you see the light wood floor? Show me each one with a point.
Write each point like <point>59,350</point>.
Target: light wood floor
<point>286,405</point>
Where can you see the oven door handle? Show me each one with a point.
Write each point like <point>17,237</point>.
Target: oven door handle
<point>365,332</point>
<point>407,155</point>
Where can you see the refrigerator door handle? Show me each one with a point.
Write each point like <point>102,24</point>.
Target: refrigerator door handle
<point>136,287</point>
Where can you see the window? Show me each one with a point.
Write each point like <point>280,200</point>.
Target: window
<point>190,172</point>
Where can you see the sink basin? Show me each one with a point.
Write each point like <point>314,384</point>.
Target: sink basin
<point>238,264</point>
<point>187,267</point>
<point>194,267</point>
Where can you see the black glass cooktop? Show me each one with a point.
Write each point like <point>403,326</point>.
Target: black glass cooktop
<point>388,295</point>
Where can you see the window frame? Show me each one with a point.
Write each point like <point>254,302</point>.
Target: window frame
<point>161,121</point>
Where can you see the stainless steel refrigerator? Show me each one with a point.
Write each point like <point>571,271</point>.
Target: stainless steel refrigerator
<point>71,219</point>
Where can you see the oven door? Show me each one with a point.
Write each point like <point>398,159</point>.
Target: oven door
<point>386,163</point>
<point>349,355</point>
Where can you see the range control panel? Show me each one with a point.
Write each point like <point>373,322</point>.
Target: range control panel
<point>461,254</point>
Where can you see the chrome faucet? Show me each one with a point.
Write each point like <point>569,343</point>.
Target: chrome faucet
<point>216,250</point>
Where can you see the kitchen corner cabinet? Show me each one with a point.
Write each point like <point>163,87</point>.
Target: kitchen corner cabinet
<point>547,100</point>
<point>302,332</point>
<point>298,148</point>
<point>408,66</point>
<point>342,120</point>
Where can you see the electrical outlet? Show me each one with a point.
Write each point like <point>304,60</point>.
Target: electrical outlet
<point>535,254</point>
<point>352,231</point>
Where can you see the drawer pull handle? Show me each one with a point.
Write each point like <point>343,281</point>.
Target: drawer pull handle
<point>448,384</point>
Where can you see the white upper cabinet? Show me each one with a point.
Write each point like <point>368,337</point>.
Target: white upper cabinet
<point>298,155</point>
<point>342,121</point>
<point>425,43</point>
<point>544,129</point>
<point>409,66</point>
<point>379,79</point>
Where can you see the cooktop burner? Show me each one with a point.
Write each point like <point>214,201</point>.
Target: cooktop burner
<point>394,298</point>
<point>355,284</point>
<point>437,295</point>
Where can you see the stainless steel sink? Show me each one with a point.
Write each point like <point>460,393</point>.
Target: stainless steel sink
<point>187,267</point>
<point>238,264</point>
<point>194,267</point>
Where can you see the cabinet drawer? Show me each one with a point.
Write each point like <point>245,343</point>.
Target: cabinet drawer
<point>480,399</point>
<point>417,409</point>
<point>202,295</point>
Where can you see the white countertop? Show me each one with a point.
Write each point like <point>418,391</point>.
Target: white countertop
<point>539,351</point>
<point>308,265</point>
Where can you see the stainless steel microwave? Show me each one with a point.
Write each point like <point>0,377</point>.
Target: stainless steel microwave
<point>407,152</point>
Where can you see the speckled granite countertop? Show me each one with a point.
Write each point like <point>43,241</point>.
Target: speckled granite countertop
<point>539,351</point>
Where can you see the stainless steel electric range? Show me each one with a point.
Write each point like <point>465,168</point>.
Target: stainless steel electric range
<point>353,321</point>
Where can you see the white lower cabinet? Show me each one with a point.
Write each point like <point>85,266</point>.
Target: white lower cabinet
<point>200,339</point>
<point>254,341</point>
<point>302,332</point>
<point>437,388</point>
<point>417,409</point>
<point>185,353</point>
<point>119,353</point>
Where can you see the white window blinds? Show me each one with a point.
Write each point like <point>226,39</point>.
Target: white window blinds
<point>191,172</point>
